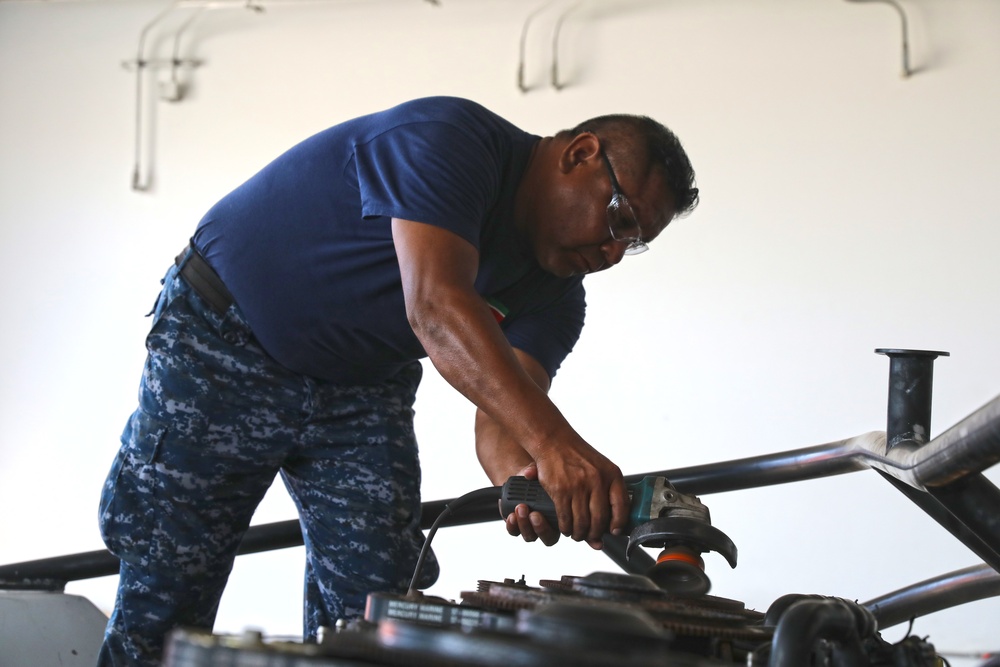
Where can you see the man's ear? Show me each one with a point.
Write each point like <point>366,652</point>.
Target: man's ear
<point>581,150</point>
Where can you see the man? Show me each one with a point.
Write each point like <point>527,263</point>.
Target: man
<point>287,337</point>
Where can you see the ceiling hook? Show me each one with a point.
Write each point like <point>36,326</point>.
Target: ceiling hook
<point>906,41</point>
<point>522,86</point>
<point>555,46</point>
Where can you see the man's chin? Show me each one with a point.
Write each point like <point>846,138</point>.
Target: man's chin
<point>556,268</point>
<point>565,264</point>
<point>570,264</point>
<point>564,271</point>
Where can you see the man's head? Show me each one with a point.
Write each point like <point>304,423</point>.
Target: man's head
<point>606,187</point>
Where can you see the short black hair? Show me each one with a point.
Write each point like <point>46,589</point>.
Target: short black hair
<point>662,147</point>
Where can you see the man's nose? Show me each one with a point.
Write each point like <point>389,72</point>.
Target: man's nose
<point>613,251</point>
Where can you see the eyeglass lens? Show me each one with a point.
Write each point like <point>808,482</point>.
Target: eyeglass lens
<point>624,226</point>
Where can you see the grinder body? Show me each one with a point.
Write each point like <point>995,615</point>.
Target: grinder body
<point>659,516</point>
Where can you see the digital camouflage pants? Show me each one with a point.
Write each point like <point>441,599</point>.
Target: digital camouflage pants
<point>217,420</point>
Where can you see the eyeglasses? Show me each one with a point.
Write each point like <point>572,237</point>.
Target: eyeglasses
<point>621,218</point>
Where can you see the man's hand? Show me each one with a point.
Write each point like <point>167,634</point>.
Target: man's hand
<point>533,525</point>
<point>529,525</point>
<point>502,457</point>
<point>587,489</point>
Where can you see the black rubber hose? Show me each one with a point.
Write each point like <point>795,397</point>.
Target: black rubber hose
<point>807,621</point>
<point>778,607</point>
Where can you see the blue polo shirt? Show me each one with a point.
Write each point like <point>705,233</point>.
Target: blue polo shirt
<point>305,245</point>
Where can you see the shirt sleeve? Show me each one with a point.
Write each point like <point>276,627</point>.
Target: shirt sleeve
<point>430,172</point>
<point>548,333</point>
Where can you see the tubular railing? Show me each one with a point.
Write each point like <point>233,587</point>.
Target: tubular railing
<point>942,476</point>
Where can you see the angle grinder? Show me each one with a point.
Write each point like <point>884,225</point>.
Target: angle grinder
<point>660,516</point>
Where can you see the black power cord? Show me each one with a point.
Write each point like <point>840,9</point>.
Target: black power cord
<point>479,495</point>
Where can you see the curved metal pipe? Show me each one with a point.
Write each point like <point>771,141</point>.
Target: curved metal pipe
<point>926,597</point>
<point>975,437</point>
<point>834,458</point>
<point>970,446</point>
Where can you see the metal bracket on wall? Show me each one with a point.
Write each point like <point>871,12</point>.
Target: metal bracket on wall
<point>175,88</point>
<point>907,71</point>
<point>557,83</point>
<point>172,89</point>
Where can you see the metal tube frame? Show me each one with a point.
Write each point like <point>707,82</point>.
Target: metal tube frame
<point>942,476</point>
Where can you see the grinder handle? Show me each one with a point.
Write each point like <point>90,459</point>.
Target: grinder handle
<point>517,490</point>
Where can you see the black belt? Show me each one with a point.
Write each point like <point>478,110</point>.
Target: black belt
<point>204,280</point>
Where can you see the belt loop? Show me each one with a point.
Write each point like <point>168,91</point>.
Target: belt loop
<point>203,279</point>
<point>182,258</point>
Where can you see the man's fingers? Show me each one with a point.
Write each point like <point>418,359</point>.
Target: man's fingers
<point>546,533</point>
<point>600,512</point>
<point>524,525</point>
<point>530,526</point>
<point>511,523</point>
<point>564,515</point>
<point>529,471</point>
<point>620,507</point>
<point>533,526</point>
<point>581,516</point>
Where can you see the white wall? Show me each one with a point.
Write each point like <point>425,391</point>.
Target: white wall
<point>844,209</point>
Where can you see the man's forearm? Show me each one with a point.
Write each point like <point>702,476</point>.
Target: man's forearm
<point>471,353</point>
<point>463,341</point>
<point>499,455</point>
